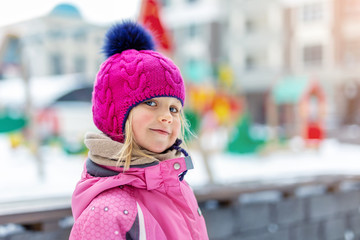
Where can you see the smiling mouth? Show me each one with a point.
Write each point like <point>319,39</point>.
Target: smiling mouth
<point>160,131</point>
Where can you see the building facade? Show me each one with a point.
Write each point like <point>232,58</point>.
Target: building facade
<point>256,47</point>
<point>246,36</point>
<point>264,41</point>
<point>197,29</point>
<point>324,45</point>
<point>346,59</point>
<point>59,43</point>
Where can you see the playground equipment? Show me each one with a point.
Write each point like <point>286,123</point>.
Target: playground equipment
<point>296,106</point>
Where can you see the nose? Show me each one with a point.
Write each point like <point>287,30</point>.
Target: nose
<point>165,116</point>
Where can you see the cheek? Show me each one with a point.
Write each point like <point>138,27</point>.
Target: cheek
<point>139,123</point>
<point>141,119</point>
<point>177,127</point>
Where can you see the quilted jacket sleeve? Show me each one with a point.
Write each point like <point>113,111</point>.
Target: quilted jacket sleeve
<point>111,215</point>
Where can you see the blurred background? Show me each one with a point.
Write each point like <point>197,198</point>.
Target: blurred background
<point>273,97</point>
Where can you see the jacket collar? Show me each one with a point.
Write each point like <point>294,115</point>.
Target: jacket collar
<point>97,170</point>
<point>97,179</point>
<point>180,165</point>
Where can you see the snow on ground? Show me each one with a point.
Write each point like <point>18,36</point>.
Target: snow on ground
<point>331,158</point>
<point>19,178</point>
<point>19,174</point>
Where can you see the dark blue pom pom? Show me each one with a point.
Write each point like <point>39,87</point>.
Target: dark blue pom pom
<point>127,35</point>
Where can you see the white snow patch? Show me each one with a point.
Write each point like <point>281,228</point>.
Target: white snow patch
<point>19,174</point>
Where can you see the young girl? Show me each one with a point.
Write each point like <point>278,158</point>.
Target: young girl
<point>132,186</point>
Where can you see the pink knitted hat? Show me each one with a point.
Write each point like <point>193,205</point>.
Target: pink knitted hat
<point>132,73</point>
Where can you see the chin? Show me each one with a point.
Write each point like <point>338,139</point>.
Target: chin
<point>158,149</point>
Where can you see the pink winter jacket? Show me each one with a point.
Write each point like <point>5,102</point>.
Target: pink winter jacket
<point>146,202</point>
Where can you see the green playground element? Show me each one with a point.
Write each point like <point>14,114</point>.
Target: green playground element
<point>10,122</point>
<point>194,121</point>
<point>241,141</point>
<point>74,148</point>
<point>70,148</point>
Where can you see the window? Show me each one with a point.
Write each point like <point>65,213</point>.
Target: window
<point>192,31</point>
<point>79,64</point>
<point>80,35</point>
<point>313,55</point>
<point>34,39</point>
<point>56,64</point>
<point>249,26</point>
<point>249,63</point>
<point>312,12</point>
<point>56,34</point>
<point>12,51</point>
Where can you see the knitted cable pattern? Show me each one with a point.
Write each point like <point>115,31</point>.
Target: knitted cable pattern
<point>127,79</point>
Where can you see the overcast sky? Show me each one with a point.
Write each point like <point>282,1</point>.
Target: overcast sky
<point>96,11</point>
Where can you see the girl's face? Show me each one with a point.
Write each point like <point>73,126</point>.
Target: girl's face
<point>156,123</point>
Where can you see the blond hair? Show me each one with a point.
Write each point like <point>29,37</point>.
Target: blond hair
<point>131,148</point>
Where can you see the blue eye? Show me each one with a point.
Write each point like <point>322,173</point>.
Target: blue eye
<point>150,103</point>
<point>174,110</point>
